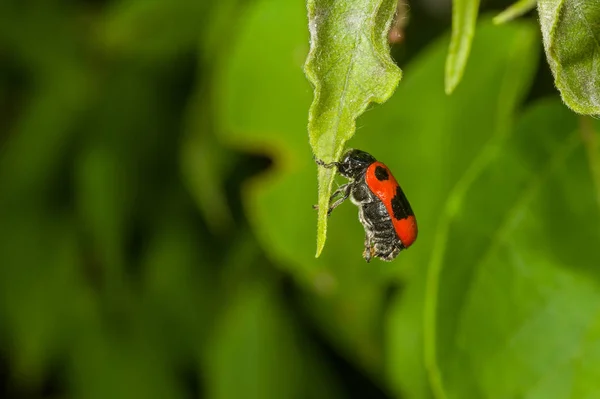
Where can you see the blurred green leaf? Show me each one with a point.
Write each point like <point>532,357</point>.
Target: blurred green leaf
<point>464,20</point>
<point>350,66</point>
<point>104,198</point>
<point>154,28</point>
<point>516,310</point>
<point>120,362</point>
<point>115,152</point>
<point>136,342</point>
<point>571,33</point>
<point>32,154</point>
<point>204,166</point>
<point>37,281</point>
<point>38,236</point>
<point>180,282</point>
<point>257,352</point>
<point>591,141</point>
<point>45,56</point>
<point>515,10</point>
<point>204,161</point>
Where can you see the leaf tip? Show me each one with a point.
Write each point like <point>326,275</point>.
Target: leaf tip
<point>514,11</point>
<point>453,71</point>
<point>321,225</point>
<point>450,83</point>
<point>499,19</point>
<point>320,245</point>
<point>325,178</point>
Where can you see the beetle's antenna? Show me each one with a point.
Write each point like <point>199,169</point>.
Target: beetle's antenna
<point>324,164</point>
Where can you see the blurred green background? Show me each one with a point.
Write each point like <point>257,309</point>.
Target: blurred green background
<point>156,232</point>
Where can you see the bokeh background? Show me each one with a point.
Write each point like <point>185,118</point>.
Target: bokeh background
<point>156,232</point>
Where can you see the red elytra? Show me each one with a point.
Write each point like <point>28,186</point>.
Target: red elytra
<point>400,211</point>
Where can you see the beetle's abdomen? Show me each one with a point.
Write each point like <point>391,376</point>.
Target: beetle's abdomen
<point>381,236</point>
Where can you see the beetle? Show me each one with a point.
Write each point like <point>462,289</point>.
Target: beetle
<point>383,209</point>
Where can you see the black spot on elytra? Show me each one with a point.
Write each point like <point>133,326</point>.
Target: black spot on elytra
<point>381,173</point>
<point>400,205</point>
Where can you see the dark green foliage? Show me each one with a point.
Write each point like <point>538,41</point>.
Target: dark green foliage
<point>157,235</point>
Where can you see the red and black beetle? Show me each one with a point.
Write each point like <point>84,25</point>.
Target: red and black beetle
<point>385,213</point>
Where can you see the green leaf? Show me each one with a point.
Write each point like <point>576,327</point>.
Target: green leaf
<point>115,152</point>
<point>514,11</point>
<point>204,161</point>
<point>204,165</point>
<point>571,34</point>
<point>39,254</point>
<point>130,364</point>
<point>350,66</point>
<point>591,140</point>
<point>179,283</point>
<point>514,313</point>
<point>104,202</point>
<point>464,19</point>
<point>46,123</point>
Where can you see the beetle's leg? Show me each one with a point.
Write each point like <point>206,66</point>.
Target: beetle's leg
<point>390,254</point>
<point>368,252</point>
<point>344,190</point>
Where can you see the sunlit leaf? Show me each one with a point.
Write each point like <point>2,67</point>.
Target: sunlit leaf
<point>571,33</point>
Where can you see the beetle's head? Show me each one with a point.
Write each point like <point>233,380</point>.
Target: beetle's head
<point>354,163</point>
